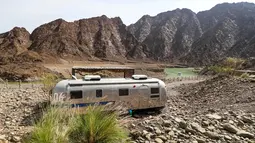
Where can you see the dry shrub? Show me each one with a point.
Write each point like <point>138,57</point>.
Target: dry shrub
<point>221,70</point>
<point>245,75</point>
<point>233,62</point>
<point>49,81</point>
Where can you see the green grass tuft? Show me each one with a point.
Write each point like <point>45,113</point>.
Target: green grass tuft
<point>54,127</point>
<point>97,126</point>
<point>60,125</point>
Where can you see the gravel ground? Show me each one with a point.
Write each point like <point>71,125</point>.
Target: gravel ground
<point>216,110</point>
<point>18,108</point>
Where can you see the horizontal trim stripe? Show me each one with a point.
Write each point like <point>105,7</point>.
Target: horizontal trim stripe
<point>87,104</point>
<point>114,83</point>
<point>154,96</point>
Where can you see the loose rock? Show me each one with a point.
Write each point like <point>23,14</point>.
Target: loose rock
<point>212,135</point>
<point>197,127</point>
<point>158,140</point>
<point>213,116</point>
<point>245,134</point>
<point>230,128</point>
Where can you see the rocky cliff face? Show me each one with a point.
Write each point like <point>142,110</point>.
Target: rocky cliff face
<point>85,39</point>
<point>199,39</point>
<point>214,43</point>
<point>16,61</point>
<point>14,42</point>
<point>168,35</point>
<point>99,37</point>
<point>228,31</point>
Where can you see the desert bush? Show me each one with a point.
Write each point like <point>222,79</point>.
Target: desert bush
<point>196,70</point>
<point>228,66</point>
<point>233,62</point>
<point>220,69</point>
<point>245,75</point>
<point>97,126</point>
<point>49,81</point>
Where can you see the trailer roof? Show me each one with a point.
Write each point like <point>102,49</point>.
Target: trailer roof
<point>110,81</point>
<point>100,67</point>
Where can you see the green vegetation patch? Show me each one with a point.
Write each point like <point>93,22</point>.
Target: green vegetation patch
<point>61,125</point>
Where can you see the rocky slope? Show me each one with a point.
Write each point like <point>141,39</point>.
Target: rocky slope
<point>179,36</point>
<point>85,39</point>
<point>99,37</point>
<point>168,35</point>
<point>16,61</point>
<point>14,42</point>
<point>228,31</point>
<point>220,109</point>
<point>199,39</point>
<point>18,110</point>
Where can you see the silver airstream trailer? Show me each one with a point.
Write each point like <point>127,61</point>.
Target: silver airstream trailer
<point>136,91</point>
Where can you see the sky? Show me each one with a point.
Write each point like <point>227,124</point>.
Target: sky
<point>33,13</point>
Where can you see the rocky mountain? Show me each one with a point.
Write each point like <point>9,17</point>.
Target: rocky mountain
<point>14,42</point>
<point>16,61</point>
<point>99,37</point>
<point>168,35</point>
<point>179,36</point>
<point>85,39</point>
<point>202,38</point>
<point>229,30</point>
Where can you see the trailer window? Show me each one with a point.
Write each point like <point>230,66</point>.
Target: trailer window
<point>154,90</point>
<point>76,94</point>
<point>123,92</point>
<point>99,93</point>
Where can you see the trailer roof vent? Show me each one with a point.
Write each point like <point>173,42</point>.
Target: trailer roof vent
<point>92,77</point>
<point>139,77</point>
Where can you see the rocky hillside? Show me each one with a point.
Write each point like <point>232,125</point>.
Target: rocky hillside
<point>16,61</point>
<point>85,39</point>
<point>14,42</point>
<point>98,37</point>
<point>179,36</point>
<point>202,38</point>
<point>168,35</point>
<point>220,109</point>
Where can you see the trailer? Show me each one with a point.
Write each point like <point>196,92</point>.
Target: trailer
<point>135,92</point>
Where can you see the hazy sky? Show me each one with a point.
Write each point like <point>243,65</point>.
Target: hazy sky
<point>32,13</point>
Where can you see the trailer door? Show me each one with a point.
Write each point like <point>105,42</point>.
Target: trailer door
<point>144,92</point>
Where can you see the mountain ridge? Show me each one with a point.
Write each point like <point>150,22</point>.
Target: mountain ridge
<point>177,36</point>
<point>209,43</point>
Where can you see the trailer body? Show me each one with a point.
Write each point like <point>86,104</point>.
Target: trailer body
<point>137,92</point>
